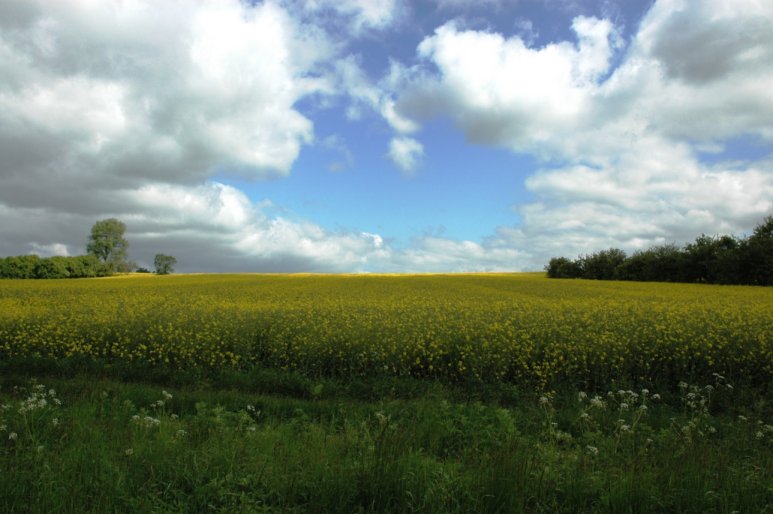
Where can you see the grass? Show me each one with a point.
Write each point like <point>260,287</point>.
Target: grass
<point>270,441</point>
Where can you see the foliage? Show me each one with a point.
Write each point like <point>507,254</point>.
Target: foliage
<point>602,265</point>
<point>32,266</point>
<point>108,244</point>
<point>164,264</point>
<point>712,260</point>
<point>522,329</point>
<point>561,267</point>
<point>104,446</point>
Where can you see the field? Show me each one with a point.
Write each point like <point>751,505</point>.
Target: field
<point>520,329</point>
<point>427,393</point>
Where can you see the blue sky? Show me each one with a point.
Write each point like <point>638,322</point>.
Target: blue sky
<point>383,135</point>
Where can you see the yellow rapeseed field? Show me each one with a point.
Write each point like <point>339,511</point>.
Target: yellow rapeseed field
<point>518,328</point>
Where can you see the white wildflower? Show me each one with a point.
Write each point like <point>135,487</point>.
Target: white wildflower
<point>592,450</point>
<point>150,421</point>
<point>582,396</point>
<point>129,451</point>
<point>13,436</point>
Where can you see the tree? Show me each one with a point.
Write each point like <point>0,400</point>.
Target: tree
<point>164,263</point>
<point>561,267</point>
<point>107,243</point>
<point>21,266</point>
<point>602,265</point>
<point>756,255</point>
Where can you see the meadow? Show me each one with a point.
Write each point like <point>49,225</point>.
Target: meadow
<point>426,393</point>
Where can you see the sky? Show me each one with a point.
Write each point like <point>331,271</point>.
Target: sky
<point>382,135</point>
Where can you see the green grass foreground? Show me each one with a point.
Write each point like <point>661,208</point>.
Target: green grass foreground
<point>75,437</point>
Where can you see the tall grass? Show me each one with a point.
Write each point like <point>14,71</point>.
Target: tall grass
<point>82,445</point>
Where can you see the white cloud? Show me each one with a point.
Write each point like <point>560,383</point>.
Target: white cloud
<point>432,254</point>
<point>376,97</point>
<point>216,223</point>
<point>239,235</point>
<point>406,153</point>
<point>361,14</point>
<point>500,91</point>
<point>619,146</point>
<point>49,250</point>
<point>184,87</point>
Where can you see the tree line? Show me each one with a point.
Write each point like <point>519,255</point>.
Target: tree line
<point>106,255</point>
<point>710,259</point>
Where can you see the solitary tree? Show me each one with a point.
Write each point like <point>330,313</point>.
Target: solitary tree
<point>164,264</point>
<point>107,243</point>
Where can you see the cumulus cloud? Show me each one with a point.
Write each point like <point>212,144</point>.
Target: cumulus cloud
<point>406,153</point>
<point>500,91</point>
<point>377,97</point>
<point>620,146</point>
<point>146,90</point>
<point>217,224</point>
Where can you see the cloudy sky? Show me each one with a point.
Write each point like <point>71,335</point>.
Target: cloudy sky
<point>382,135</point>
